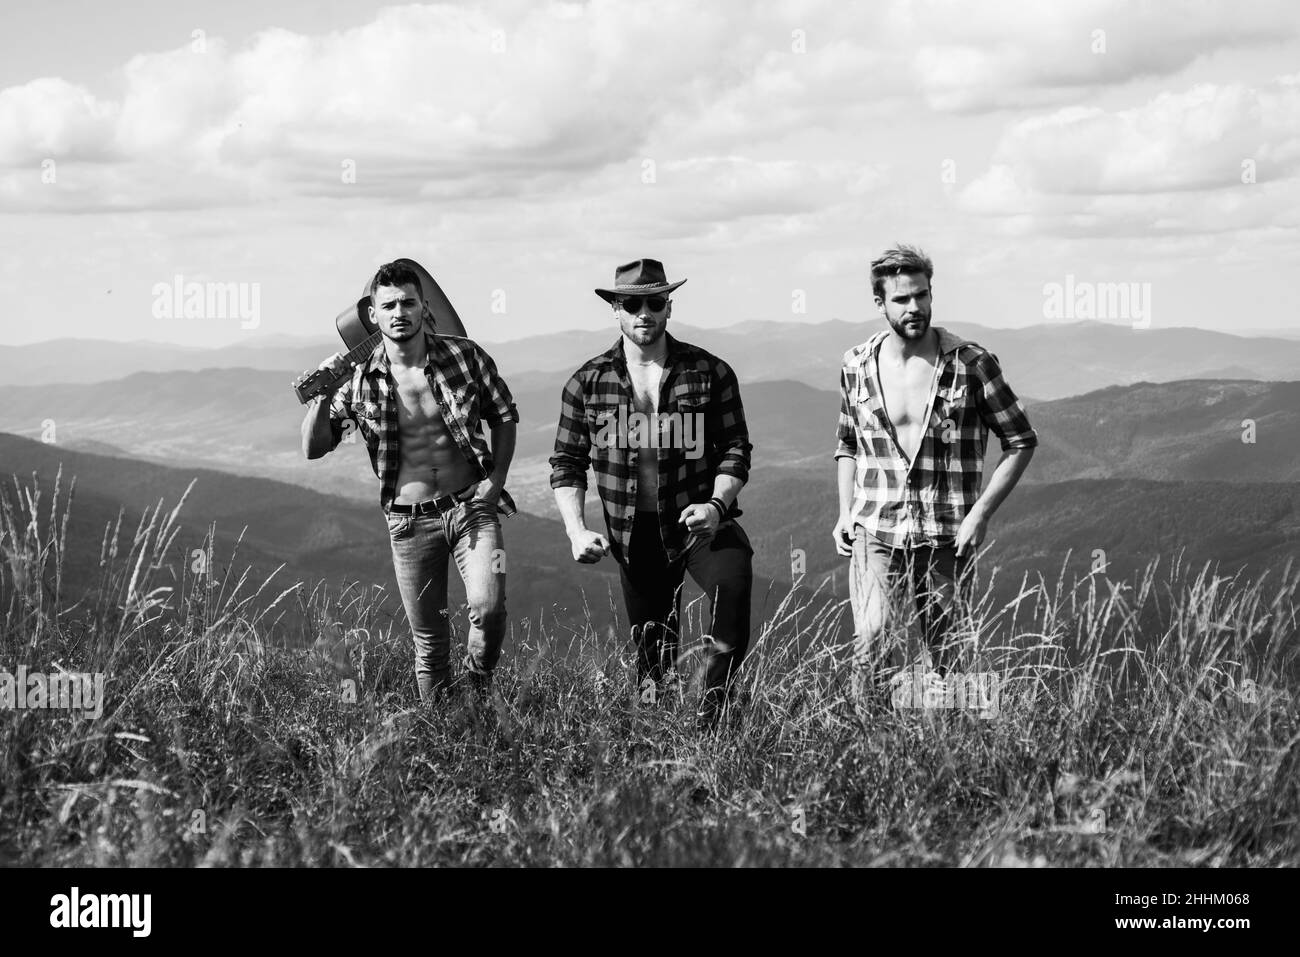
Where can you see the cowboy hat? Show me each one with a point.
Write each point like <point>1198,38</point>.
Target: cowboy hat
<point>642,277</point>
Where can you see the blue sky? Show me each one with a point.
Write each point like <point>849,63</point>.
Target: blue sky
<point>766,151</point>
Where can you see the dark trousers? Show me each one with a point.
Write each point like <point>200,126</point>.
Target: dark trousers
<point>723,567</point>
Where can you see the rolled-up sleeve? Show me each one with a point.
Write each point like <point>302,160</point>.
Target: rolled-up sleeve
<point>732,432</point>
<point>572,443</point>
<point>999,407</point>
<point>341,411</point>
<point>500,405</point>
<point>846,429</point>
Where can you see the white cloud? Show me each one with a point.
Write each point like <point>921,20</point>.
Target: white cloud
<point>1181,161</point>
<point>472,101</point>
<point>50,117</point>
<point>1010,54</point>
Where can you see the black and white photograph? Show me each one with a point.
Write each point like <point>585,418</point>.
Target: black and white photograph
<point>603,435</point>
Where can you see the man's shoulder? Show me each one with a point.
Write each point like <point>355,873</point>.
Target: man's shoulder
<point>462,345</point>
<point>858,354</point>
<point>968,350</point>
<point>601,362</point>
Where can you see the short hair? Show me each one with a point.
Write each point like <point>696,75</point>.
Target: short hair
<point>395,274</point>
<point>897,261</point>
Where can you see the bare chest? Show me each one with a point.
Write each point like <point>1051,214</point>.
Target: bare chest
<point>645,387</point>
<point>417,405</point>
<point>905,388</point>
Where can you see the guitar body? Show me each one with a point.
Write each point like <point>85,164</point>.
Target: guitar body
<point>360,334</point>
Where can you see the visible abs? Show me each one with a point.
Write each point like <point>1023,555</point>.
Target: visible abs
<point>431,462</point>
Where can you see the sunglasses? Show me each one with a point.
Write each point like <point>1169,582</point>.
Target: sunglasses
<point>632,304</point>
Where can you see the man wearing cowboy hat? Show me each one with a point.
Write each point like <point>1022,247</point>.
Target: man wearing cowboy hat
<point>667,484</point>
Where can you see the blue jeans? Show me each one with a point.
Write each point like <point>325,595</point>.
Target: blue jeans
<point>471,532</point>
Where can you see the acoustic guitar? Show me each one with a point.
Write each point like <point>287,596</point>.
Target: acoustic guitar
<point>360,334</point>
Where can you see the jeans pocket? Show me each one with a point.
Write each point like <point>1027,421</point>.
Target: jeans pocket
<point>479,512</point>
<point>399,526</point>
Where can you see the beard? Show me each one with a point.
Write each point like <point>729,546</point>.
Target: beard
<point>645,337</point>
<point>920,331</point>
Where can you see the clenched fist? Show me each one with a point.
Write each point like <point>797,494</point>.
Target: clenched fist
<point>588,546</point>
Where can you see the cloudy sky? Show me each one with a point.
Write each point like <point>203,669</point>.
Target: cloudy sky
<point>766,151</point>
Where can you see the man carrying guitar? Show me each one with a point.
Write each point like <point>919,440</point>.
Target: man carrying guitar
<point>418,401</point>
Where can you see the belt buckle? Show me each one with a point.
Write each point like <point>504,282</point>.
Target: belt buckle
<point>435,504</point>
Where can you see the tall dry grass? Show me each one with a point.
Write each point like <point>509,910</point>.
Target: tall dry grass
<point>1148,722</point>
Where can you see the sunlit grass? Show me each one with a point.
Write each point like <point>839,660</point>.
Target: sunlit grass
<point>1143,723</point>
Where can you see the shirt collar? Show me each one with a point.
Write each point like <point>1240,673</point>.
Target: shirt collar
<point>949,342</point>
<point>618,355</point>
<point>379,355</point>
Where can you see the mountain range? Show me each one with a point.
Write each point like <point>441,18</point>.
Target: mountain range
<point>1045,361</point>
<point>1044,529</point>
<point>243,421</point>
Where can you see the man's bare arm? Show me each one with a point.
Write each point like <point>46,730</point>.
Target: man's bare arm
<point>587,546</point>
<point>571,500</point>
<point>726,487</point>
<point>317,437</point>
<point>504,435</point>
<point>1004,479</point>
<point>970,536</point>
<point>846,469</point>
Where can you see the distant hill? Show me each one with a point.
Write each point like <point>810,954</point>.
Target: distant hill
<point>1126,522</point>
<point>1187,430</point>
<point>1046,361</point>
<point>318,537</point>
<point>247,422</point>
<point>1253,526</point>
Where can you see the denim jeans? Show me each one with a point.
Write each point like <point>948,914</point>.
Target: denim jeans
<point>721,566</point>
<point>421,545</point>
<point>880,577</point>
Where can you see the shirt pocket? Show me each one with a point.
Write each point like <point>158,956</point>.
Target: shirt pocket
<point>953,412</point>
<point>869,412</point>
<point>686,433</point>
<point>463,403</point>
<point>366,416</point>
<point>602,423</point>
<point>690,393</point>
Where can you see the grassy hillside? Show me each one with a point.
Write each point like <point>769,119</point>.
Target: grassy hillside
<point>1043,528</point>
<point>1169,736</point>
<point>317,537</point>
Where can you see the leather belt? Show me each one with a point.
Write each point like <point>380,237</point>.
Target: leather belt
<point>431,506</point>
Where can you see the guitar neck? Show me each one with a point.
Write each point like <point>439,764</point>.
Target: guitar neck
<point>362,349</point>
<point>318,381</point>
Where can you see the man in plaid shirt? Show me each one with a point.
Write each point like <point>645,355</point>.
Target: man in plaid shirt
<point>916,405</point>
<point>419,401</point>
<point>662,423</point>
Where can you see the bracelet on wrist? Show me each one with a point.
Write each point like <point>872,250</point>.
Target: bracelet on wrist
<point>720,505</point>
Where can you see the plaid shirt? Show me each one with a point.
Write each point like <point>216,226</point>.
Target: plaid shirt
<point>469,391</point>
<point>694,381</point>
<point>923,502</point>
